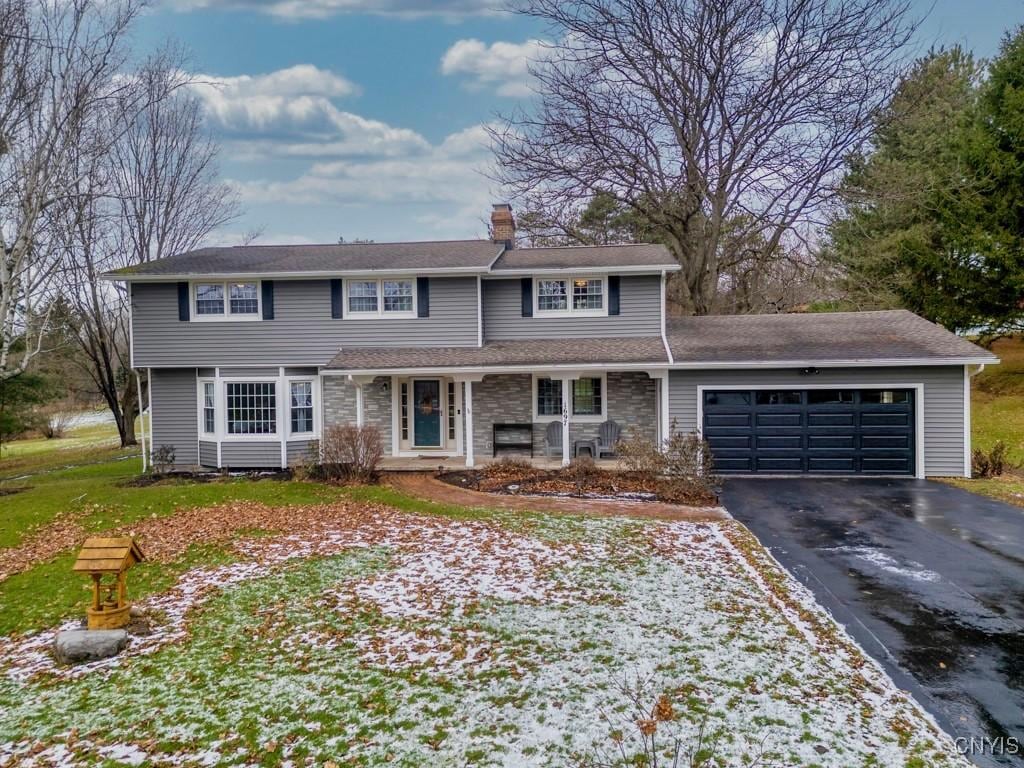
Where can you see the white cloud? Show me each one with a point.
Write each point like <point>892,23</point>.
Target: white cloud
<point>451,175</point>
<point>501,66</point>
<point>319,9</point>
<point>292,112</point>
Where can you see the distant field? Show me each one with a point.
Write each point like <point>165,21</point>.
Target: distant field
<point>997,404</point>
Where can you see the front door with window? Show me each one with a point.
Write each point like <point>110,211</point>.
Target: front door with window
<point>426,420</point>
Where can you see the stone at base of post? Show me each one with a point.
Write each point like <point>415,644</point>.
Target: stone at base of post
<point>111,618</point>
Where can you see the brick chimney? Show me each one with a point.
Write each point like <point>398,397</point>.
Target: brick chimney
<point>503,225</point>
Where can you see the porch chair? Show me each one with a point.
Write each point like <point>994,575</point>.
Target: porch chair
<point>607,438</point>
<point>553,439</point>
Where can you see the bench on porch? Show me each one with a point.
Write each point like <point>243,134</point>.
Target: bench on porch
<point>518,437</point>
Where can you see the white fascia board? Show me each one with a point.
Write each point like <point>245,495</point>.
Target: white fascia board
<point>676,366</point>
<point>291,275</point>
<point>654,269</point>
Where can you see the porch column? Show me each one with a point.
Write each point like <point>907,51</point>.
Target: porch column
<point>663,392</point>
<point>359,404</point>
<point>566,410</point>
<point>467,408</point>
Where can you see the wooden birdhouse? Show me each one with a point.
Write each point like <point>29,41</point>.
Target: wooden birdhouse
<point>107,560</point>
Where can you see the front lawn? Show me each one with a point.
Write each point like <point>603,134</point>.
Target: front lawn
<point>366,627</point>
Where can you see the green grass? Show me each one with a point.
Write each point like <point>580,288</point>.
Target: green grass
<point>997,404</point>
<point>50,592</point>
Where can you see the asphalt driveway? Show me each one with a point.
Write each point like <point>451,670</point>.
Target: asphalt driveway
<point>930,581</point>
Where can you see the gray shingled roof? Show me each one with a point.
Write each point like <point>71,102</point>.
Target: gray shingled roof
<point>645,349</point>
<point>350,257</point>
<point>825,337</point>
<point>587,257</point>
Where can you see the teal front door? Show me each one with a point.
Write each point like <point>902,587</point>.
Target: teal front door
<point>426,420</point>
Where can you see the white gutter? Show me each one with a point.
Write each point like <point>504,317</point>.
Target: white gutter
<point>650,269</point>
<point>664,335</point>
<point>676,366</point>
<point>289,275</point>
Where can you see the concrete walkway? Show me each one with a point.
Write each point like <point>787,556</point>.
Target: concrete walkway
<point>424,486</point>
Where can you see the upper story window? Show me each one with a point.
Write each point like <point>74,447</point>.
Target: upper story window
<point>228,300</point>
<point>571,295</point>
<point>381,298</point>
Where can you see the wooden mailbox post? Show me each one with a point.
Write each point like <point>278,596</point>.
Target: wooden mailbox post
<point>102,556</point>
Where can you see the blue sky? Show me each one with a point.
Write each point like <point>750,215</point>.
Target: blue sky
<point>363,118</point>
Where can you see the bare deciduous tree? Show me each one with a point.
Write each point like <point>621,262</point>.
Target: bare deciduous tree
<point>715,121</point>
<point>154,194</point>
<point>59,67</point>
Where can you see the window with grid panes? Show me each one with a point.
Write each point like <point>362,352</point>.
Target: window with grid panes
<point>301,406</point>
<point>252,407</point>
<point>209,408</point>
<point>549,397</point>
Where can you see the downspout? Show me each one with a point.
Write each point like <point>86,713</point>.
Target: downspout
<point>664,335</point>
<point>967,417</point>
<point>142,419</point>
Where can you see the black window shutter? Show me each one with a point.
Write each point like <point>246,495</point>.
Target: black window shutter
<point>267,289</point>
<point>336,298</point>
<point>527,288</point>
<point>423,297</point>
<point>613,294</point>
<point>183,301</point>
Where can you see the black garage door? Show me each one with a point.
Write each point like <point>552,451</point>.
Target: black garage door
<point>820,431</point>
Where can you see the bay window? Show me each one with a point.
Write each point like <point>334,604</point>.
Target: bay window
<point>248,409</point>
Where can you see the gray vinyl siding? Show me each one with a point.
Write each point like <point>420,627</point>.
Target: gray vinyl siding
<point>175,414</point>
<point>639,307</point>
<point>299,451</point>
<point>255,453</point>
<point>208,453</point>
<point>302,333</point>
<point>270,373</point>
<point>943,401</point>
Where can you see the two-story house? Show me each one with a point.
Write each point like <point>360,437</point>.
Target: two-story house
<point>448,347</point>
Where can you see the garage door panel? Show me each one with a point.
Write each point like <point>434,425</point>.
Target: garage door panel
<point>780,463</point>
<point>795,442</point>
<point>874,419</point>
<point>767,419</point>
<point>727,420</point>
<point>886,466</point>
<point>824,441</point>
<point>730,441</point>
<point>831,419</point>
<point>734,463</point>
<point>898,441</point>
<point>845,464</point>
<point>847,431</point>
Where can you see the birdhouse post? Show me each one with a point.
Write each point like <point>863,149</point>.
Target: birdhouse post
<point>107,560</point>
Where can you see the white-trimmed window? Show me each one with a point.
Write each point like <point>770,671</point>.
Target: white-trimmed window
<point>571,295</point>
<point>209,408</point>
<point>251,407</point>
<point>226,300</point>
<point>300,407</point>
<point>393,297</point>
<point>588,398</point>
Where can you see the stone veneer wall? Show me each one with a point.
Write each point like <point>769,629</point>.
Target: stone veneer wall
<point>507,398</point>
<point>339,402</point>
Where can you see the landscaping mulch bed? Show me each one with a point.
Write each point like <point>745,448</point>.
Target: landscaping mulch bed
<point>157,478</point>
<point>592,483</point>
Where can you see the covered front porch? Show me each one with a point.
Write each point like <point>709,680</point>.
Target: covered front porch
<point>431,419</point>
